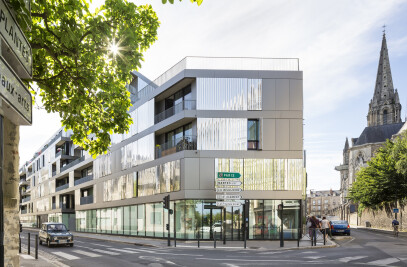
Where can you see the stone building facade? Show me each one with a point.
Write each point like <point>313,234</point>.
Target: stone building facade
<point>383,121</point>
<point>323,203</point>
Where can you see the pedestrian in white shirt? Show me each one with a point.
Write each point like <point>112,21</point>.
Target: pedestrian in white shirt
<point>325,226</point>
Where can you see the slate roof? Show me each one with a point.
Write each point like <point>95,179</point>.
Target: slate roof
<point>377,134</point>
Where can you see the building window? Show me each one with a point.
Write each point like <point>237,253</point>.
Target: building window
<point>313,202</point>
<point>252,134</point>
<point>385,116</point>
<point>319,201</point>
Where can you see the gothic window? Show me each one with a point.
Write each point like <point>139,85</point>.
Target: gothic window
<point>359,160</point>
<point>385,116</point>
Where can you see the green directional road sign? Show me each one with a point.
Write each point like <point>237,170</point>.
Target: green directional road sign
<point>228,175</point>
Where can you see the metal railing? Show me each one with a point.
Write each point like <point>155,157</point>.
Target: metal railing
<point>184,105</point>
<point>26,199</point>
<point>62,187</point>
<point>219,63</point>
<point>180,144</point>
<point>64,206</point>
<point>84,179</point>
<point>73,163</point>
<point>86,200</point>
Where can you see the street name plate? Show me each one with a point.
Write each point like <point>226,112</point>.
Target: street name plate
<point>228,196</point>
<point>226,190</point>
<point>14,92</point>
<point>228,175</point>
<point>228,204</point>
<point>228,183</point>
<point>395,210</point>
<point>15,38</point>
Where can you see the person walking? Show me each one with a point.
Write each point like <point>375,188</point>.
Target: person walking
<point>313,228</point>
<point>325,226</point>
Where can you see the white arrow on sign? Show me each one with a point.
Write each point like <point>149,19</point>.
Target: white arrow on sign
<point>228,204</point>
<point>225,190</point>
<point>229,183</point>
<point>228,196</point>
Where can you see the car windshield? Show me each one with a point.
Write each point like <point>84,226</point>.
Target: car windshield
<point>56,228</point>
<point>339,222</point>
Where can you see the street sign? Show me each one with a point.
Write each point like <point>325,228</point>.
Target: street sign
<point>211,207</point>
<point>395,210</point>
<point>228,175</point>
<point>225,190</point>
<point>15,39</point>
<point>228,183</point>
<point>13,91</point>
<point>228,204</point>
<point>228,196</point>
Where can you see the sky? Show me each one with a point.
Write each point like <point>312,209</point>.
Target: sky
<point>337,42</point>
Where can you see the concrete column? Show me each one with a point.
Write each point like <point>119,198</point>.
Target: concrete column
<point>11,195</point>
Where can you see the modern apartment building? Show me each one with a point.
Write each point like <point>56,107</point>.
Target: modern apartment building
<point>202,116</point>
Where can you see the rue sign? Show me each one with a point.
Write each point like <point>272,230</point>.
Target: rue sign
<point>228,183</point>
<point>395,210</point>
<point>15,39</point>
<point>13,91</point>
<point>228,175</point>
<point>228,204</point>
<point>227,190</point>
<point>228,196</point>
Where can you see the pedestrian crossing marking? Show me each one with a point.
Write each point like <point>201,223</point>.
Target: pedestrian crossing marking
<point>123,250</point>
<point>314,257</point>
<point>101,245</point>
<point>66,255</point>
<point>348,259</point>
<point>89,254</point>
<point>105,252</point>
<point>26,257</point>
<point>384,261</point>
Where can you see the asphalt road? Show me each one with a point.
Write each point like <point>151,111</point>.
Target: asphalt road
<point>363,248</point>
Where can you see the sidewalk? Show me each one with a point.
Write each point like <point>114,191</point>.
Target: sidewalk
<point>383,231</point>
<point>30,261</point>
<point>304,243</point>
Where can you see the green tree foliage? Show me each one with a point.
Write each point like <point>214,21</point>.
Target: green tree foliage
<point>383,182</point>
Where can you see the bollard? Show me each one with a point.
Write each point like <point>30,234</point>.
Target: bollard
<point>299,236</point>
<point>36,247</point>
<point>29,245</point>
<point>19,243</point>
<point>244,233</point>
<point>325,236</point>
<point>198,237</point>
<point>214,239</point>
<point>281,236</point>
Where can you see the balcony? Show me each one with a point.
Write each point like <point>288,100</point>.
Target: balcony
<point>180,144</point>
<point>84,179</point>
<point>73,163</point>
<point>24,182</point>
<point>65,207</point>
<point>23,211</point>
<point>59,153</point>
<point>54,173</point>
<point>54,206</point>
<point>62,187</point>
<point>184,105</point>
<point>86,200</point>
<point>26,199</point>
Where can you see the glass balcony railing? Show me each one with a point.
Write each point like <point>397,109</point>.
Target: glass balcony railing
<point>54,206</point>
<point>64,206</point>
<point>26,199</point>
<point>86,200</point>
<point>62,187</point>
<point>173,146</point>
<point>23,211</point>
<point>184,105</point>
<point>73,163</point>
<point>84,179</point>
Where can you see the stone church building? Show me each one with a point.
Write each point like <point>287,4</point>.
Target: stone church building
<point>383,121</point>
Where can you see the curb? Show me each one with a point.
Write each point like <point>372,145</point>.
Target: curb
<point>387,232</point>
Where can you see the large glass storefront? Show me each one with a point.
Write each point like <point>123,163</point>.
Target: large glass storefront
<point>196,219</point>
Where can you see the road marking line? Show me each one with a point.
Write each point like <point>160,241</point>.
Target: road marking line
<point>123,250</point>
<point>101,245</point>
<point>26,257</point>
<point>105,252</point>
<point>314,257</point>
<point>308,252</point>
<point>66,255</point>
<point>89,254</point>
<point>384,261</point>
<point>348,259</point>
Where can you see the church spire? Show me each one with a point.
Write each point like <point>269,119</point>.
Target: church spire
<point>384,108</point>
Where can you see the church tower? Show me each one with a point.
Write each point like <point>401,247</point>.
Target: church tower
<point>385,107</point>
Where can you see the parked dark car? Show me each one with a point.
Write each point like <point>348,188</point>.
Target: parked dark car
<point>55,234</point>
<point>340,227</point>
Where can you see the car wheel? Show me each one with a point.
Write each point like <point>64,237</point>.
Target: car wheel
<point>48,243</point>
<point>71,245</point>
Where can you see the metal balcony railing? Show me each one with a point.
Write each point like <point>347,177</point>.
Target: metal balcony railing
<point>84,179</point>
<point>62,187</point>
<point>64,206</point>
<point>173,146</point>
<point>184,105</point>
<point>86,200</point>
<point>73,163</point>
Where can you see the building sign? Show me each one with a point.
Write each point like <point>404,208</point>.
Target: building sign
<point>13,91</point>
<point>14,37</point>
<point>228,204</point>
<point>395,210</point>
<point>228,175</point>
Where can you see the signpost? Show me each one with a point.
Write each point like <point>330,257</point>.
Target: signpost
<point>228,204</point>
<point>228,196</point>
<point>395,210</point>
<point>228,175</point>
<point>226,190</point>
<point>225,184</point>
<point>230,183</point>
